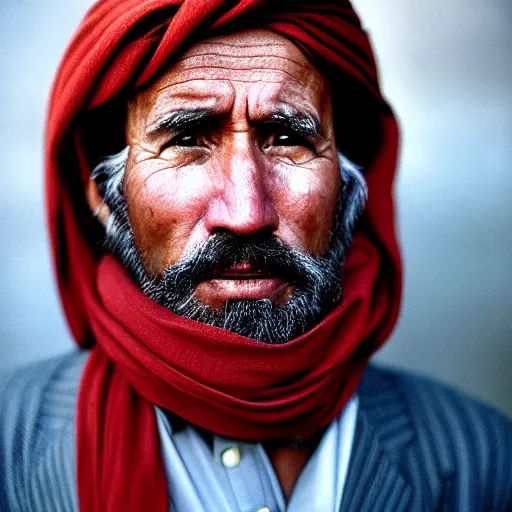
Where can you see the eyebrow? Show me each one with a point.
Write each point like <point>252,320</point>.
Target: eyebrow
<point>179,120</point>
<point>306,125</point>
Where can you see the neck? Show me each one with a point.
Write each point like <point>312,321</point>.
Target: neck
<point>288,464</point>
<point>289,459</point>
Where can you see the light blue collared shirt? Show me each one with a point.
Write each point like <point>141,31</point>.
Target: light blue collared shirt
<point>203,480</point>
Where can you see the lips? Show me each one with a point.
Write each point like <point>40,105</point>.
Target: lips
<point>242,282</point>
<point>242,271</point>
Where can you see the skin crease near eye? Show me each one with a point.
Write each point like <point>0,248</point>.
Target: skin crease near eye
<point>238,136</point>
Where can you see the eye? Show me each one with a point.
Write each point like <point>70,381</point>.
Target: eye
<point>288,139</point>
<point>285,139</point>
<point>186,139</point>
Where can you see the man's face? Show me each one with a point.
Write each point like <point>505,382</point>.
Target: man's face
<point>237,136</point>
<point>227,206</point>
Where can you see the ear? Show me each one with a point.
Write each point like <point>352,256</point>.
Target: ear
<point>96,202</point>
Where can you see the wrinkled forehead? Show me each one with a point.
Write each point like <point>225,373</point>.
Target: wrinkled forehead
<point>267,54</point>
<point>257,63</point>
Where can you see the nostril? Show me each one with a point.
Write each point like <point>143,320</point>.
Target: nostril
<point>262,235</point>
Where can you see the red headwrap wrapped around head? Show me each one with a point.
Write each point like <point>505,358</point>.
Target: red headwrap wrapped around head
<point>143,354</point>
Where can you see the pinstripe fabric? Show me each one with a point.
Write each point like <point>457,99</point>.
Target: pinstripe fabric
<point>419,446</point>
<point>37,409</point>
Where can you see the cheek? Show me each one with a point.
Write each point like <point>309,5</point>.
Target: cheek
<point>307,204</point>
<point>164,205</point>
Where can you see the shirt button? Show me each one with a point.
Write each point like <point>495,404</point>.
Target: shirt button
<point>231,457</point>
<point>263,509</point>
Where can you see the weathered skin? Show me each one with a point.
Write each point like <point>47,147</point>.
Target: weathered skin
<point>237,176</point>
<point>238,171</point>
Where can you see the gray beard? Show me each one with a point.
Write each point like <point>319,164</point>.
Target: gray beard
<point>316,280</point>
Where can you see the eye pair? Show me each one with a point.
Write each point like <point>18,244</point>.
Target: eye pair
<point>281,138</point>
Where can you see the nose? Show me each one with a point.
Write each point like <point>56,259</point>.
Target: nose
<point>243,204</point>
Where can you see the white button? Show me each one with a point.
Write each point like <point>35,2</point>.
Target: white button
<point>231,457</point>
<point>263,509</point>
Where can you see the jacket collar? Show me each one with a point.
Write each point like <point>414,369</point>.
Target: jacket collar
<point>376,480</point>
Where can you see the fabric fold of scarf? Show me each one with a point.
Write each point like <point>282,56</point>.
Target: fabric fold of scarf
<point>143,354</point>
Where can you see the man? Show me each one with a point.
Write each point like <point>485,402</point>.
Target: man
<point>231,267</point>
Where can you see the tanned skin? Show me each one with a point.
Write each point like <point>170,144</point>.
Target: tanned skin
<point>237,135</point>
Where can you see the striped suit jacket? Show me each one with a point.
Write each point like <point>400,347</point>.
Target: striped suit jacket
<point>419,446</point>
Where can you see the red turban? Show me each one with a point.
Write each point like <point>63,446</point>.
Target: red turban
<point>142,354</point>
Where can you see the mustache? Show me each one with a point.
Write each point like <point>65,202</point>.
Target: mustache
<point>223,250</point>
<point>315,280</point>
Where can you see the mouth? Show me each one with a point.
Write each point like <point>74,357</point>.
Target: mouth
<point>242,271</point>
<point>241,282</point>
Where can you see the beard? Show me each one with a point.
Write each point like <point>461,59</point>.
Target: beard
<point>316,281</point>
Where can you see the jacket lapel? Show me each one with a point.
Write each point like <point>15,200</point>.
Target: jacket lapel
<point>374,481</point>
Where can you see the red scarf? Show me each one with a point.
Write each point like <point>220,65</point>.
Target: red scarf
<point>143,354</point>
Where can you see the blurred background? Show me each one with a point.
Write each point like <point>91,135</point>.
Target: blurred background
<point>446,67</point>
